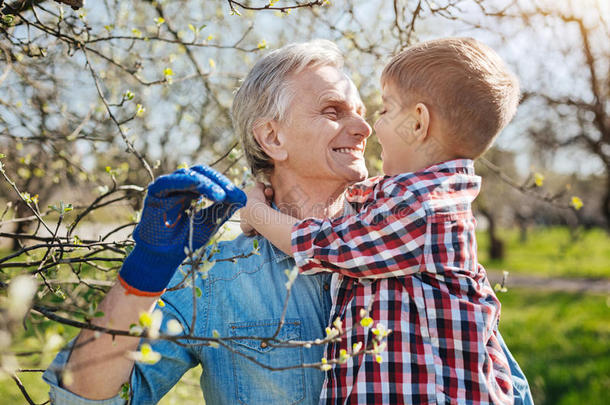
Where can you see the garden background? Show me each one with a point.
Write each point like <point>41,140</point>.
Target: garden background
<point>98,99</point>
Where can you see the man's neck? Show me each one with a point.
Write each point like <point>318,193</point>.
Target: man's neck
<point>304,198</point>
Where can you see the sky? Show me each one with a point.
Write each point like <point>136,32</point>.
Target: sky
<point>533,53</point>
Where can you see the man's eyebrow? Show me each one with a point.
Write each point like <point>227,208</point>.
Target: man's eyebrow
<point>333,99</point>
<point>338,100</point>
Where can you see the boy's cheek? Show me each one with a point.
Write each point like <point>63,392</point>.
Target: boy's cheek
<point>378,124</point>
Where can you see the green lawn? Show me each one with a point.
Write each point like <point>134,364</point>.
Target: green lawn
<point>551,252</point>
<point>562,342</point>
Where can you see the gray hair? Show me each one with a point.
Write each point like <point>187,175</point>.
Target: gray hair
<point>266,93</point>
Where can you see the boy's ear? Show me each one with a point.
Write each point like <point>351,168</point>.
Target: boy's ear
<point>270,139</point>
<point>422,121</point>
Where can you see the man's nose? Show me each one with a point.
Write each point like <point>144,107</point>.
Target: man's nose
<point>360,127</point>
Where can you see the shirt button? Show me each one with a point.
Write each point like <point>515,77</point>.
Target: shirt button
<point>264,345</point>
<point>326,286</point>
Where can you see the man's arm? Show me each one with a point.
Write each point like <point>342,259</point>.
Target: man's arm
<point>99,365</point>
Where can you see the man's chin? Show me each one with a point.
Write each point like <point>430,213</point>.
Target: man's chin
<point>357,175</point>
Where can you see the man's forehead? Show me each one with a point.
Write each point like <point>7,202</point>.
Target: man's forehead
<point>341,91</point>
<point>325,84</point>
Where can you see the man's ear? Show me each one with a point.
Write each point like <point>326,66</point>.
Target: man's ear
<point>270,139</point>
<point>422,121</point>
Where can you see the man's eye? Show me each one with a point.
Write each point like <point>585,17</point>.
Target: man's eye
<point>330,111</point>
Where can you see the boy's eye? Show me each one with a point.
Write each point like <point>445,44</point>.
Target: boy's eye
<point>381,112</point>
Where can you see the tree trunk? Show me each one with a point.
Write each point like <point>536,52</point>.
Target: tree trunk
<point>522,222</point>
<point>22,227</point>
<point>606,202</point>
<point>496,245</point>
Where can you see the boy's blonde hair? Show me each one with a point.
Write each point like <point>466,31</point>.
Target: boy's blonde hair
<point>462,80</point>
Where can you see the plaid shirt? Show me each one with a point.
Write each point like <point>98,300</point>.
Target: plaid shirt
<point>410,253</point>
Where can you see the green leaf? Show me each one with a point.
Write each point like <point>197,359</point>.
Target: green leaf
<point>98,314</point>
<point>255,244</point>
<point>198,292</point>
<point>63,207</point>
<point>125,388</point>
<point>8,19</point>
<point>2,155</point>
<point>59,293</point>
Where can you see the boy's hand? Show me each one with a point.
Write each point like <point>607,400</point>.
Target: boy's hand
<point>257,194</point>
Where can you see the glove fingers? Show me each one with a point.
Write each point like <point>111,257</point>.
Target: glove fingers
<point>177,182</point>
<point>233,194</point>
<point>207,221</point>
<point>209,188</point>
<point>186,181</point>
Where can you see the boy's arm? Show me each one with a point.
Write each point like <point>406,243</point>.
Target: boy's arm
<point>385,239</point>
<point>272,224</point>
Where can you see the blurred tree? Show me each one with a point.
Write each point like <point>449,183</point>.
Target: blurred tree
<point>567,99</point>
<point>96,102</point>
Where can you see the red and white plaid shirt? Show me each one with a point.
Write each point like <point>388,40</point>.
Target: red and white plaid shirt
<point>411,250</point>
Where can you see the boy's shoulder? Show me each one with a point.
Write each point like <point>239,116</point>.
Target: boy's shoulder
<point>439,181</point>
<point>380,187</point>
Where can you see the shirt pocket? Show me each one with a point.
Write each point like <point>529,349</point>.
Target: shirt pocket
<point>255,384</point>
<point>450,243</point>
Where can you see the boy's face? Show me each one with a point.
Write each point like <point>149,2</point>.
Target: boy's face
<point>396,131</point>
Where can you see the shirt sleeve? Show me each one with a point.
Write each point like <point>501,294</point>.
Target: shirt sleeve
<point>149,383</point>
<point>521,388</point>
<point>60,395</point>
<point>385,239</point>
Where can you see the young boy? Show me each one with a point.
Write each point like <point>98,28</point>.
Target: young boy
<point>409,254</point>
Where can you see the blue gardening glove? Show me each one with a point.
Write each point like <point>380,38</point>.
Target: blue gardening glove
<point>163,231</point>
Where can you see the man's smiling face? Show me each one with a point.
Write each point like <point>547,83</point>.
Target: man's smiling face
<point>325,132</point>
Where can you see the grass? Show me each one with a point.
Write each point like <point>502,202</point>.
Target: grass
<point>562,343</point>
<point>551,252</point>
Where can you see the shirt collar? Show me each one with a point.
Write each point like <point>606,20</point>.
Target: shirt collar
<point>277,254</point>
<point>465,166</point>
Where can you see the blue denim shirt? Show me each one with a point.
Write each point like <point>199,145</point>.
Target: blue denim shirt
<point>244,298</point>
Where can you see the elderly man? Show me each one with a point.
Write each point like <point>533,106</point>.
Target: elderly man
<point>302,125</point>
